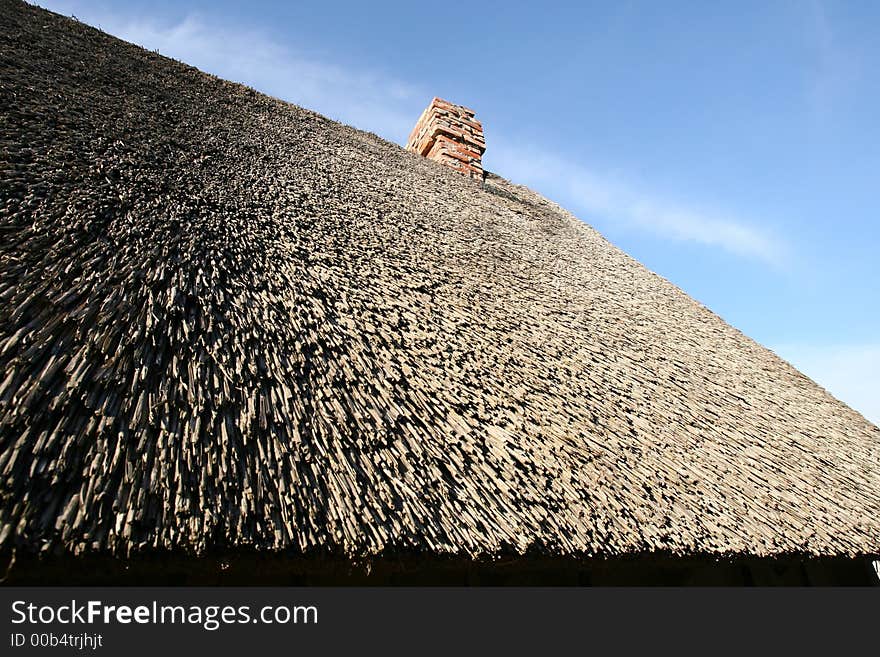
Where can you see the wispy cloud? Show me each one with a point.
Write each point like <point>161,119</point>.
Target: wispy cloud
<point>850,372</point>
<point>370,100</point>
<point>614,200</point>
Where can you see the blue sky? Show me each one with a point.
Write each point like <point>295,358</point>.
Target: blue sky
<point>731,147</point>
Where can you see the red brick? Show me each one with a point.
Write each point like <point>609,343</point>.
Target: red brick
<point>449,134</point>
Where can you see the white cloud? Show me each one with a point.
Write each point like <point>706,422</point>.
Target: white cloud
<point>850,372</point>
<point>590,193</point>
<point>370,100</point>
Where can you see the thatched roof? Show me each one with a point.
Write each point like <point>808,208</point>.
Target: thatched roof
<point>228,322</point>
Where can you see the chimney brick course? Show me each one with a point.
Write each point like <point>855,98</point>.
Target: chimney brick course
<point>450,134</point>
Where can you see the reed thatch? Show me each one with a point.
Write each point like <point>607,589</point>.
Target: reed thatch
<point>228,322</point>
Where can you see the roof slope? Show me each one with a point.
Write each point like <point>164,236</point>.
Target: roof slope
<point>229,322</point>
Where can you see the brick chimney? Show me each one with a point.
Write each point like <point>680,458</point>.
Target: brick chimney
<point>449,134</point>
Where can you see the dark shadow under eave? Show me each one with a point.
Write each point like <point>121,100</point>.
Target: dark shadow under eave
<point>407,570</point>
